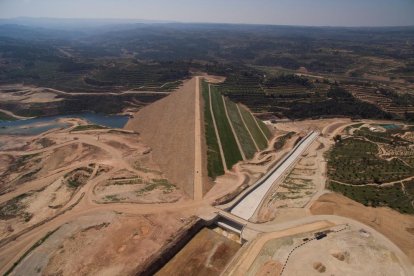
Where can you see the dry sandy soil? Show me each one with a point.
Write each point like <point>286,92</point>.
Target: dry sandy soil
<point>346,250</point>
<point>26,94</point>
<point>39,180</point>
<point>206,254</point>
<point>104,243</point>
<point>291,195</point>
<point>298,187</point>
<point>250,251</point>
<point>126,186</point>
<point>397,227</point>
<point>51,180</point>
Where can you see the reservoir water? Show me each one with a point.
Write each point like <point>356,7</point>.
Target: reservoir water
<point>36,126</point>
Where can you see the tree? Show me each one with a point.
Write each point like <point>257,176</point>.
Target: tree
<point>337,138</point>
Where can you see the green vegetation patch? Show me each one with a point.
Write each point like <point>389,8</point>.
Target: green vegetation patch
<point>78,177</point>
<point>243,135</point>
<point>257,134</point>
<point>162,184</point>
<point>388,137</point>
<point>88,170</point>
<point>281,141</point>
<point>214,161</point>
<point>391,196</point>
<point>129,181</point>
<point>348,128</point>
<point>45,142</point>
<point>15,208</point>
<point>5,117</point>
<point>112,198</point>
<point>22,161</point>
<point>29,175</point>
<point>88,127</point>
<point>228,141</point>
<point>74,183</point>
<point>264,128</point>
<point>162,76</point>
<point>409,187</point>
<point>356,161</point>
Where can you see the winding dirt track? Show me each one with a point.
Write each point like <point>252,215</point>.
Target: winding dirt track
<point>84,201</point>
<point>11,251</point>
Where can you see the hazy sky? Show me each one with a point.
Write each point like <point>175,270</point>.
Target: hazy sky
<point>286,12</point>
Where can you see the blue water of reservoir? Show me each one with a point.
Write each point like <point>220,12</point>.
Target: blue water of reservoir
<point>36,126</point>
<point>391,126</point>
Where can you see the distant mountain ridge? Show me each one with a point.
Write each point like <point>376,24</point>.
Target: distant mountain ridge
<point>65,23</point>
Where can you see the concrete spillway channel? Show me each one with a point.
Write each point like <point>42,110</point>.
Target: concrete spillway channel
<point>201,240</point>
<point>245,206</point>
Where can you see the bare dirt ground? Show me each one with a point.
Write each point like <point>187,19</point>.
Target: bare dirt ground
<point>250,251</point>
<point>343,249</point>
<point>206,254</point>
<point>26,94</point>
<point>100,202</point>
<point>346,252</point>
<point>298,187</point>
<point>306,180</point>
<point>102,244</point>
<point>211,78</point>
<point>397,227</point>
<point>167,126</point>
<point>126,186</point>
<point>55,178</point>
<point>40,181</point>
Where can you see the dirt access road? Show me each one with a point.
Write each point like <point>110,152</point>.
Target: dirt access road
<point>198,159</point>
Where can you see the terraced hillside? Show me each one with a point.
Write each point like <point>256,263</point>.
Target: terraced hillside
<point>374,166</point>
<point>232,132</point>
<point>275,94</point>
<point>296,97</point>
<point>389,101</point>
